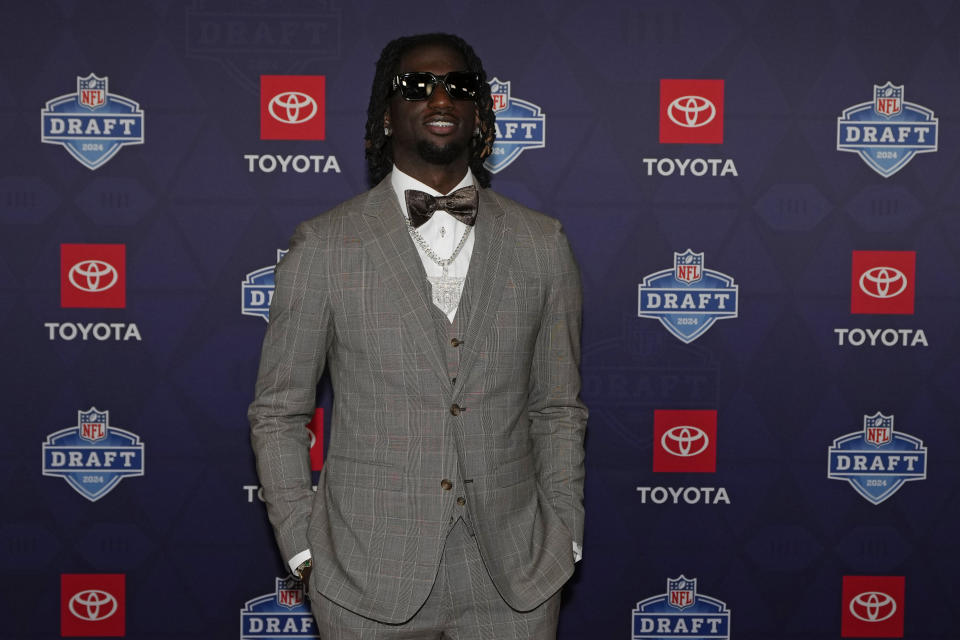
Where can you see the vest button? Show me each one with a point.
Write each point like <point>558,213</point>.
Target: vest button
<point>456,409</point>
<point>455,343</point>
<point>461,501</point>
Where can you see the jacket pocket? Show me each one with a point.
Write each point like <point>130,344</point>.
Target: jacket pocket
<point>515,471</point>
<point>349,472</point>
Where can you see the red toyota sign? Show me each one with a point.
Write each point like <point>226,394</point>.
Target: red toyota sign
<point>93,275</point>
<point>691,111</point>
<point>685,441</point>
<point>292,107</point>
<point>872,607</point>
<point>93,604</point>
<point>883,282</point>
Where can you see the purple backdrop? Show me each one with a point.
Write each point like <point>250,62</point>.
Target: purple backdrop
<point>813,179</point>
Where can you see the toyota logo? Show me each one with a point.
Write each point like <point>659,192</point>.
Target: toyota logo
<point>93,604</point>
<point>93,276</point>
<point>883,282</point>
<point>292,107</point>
<point>873,606</point>
<point>684,441</point>
<point>694,111</point>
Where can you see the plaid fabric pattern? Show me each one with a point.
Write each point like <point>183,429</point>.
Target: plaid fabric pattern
<point>351,295</point>
<point>463,605</point>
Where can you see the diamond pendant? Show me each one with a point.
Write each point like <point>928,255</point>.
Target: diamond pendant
<point>446,291</point>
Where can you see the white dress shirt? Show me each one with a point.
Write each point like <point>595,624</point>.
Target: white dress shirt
<point>442,232</point>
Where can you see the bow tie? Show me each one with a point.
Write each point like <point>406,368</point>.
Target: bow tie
<point>461,204</point>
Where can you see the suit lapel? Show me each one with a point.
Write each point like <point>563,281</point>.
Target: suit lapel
<point>486,278</point>
<point>393,254</point>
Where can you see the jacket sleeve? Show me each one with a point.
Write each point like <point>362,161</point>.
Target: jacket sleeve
<point>558,417</point>
<point>291,362</point>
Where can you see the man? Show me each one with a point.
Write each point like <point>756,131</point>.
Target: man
<point>450,502</point>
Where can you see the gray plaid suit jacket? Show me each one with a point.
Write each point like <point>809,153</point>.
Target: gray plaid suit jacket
<point>352,294</point>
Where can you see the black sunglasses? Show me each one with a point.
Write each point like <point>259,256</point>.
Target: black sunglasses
<point>419,85</point>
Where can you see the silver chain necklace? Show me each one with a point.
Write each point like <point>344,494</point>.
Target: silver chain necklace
<point>430,254</point>
<point>446,289</point>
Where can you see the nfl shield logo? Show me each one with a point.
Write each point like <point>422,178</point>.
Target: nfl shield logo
<point>878,429</point>
<point>92,91</point>
<point>500,94</point>
<point>888,99</point>
<point>93,425</point>
<point>289,593</point>
<point>681,592</point>
<point>688,266</point>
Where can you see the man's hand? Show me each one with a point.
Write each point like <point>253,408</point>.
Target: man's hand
<point>306,581</point>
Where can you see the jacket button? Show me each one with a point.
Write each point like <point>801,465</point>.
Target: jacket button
<point>446,484</point>
<point>456,409</point>
<point>461,501</point>
<point>455,343</point>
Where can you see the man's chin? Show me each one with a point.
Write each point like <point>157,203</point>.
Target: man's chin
<point>441,155</point>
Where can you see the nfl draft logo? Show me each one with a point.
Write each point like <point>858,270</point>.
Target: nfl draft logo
<point>278,615</point>
<point>521,125</point>
<point>681,613</point>
<point>91,124</point>
<point>257,290</point>
<point>688,299</point>
<point>93,456</point>
<point>877,460</point>
<point>246,38</point>
<point>888,131</point>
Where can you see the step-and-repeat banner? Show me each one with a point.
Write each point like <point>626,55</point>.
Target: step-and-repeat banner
<point>764,201</point>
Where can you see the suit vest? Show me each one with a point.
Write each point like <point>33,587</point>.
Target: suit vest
<point>451,333</point>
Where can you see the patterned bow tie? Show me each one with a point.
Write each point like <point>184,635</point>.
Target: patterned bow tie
<point>461,204</point>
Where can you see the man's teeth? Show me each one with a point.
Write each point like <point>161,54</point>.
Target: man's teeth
<point>441,123</point>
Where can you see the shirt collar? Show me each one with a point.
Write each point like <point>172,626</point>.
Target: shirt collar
<point>401,182</point>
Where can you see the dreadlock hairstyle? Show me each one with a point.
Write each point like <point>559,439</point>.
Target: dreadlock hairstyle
<point>379,150</point>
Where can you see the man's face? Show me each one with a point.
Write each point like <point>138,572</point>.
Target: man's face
<point>437,130</point>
